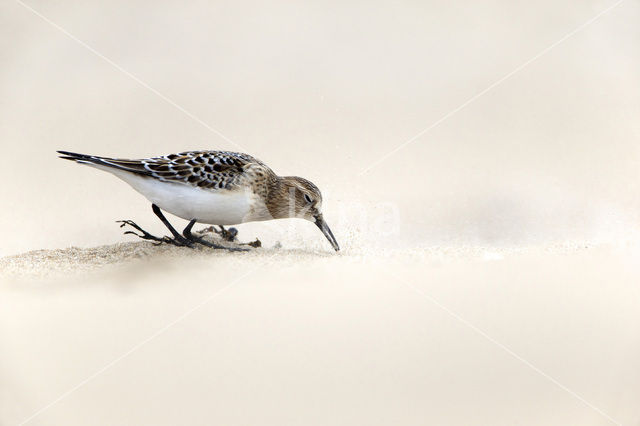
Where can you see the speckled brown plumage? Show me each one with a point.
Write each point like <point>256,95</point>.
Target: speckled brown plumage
<point>204,169</point>
<point>216,187</point>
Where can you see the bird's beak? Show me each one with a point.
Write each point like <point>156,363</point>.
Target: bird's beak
<point>320,223</point>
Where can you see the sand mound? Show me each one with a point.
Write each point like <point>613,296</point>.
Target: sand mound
<point>139,255</point>
<point>72,260</point>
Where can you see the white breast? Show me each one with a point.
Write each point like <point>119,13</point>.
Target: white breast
<point>215,207</point>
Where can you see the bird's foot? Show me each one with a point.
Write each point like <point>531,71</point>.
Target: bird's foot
<point>180,242</point>
<point>197,239</point>
<point>226,234</point>
<point>229,235</point>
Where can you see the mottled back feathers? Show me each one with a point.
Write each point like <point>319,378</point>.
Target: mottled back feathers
<point>204,169</point>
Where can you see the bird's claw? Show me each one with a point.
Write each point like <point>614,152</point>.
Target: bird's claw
<point>226,234</point>
<point>147,236</point>
<point>189,239</point>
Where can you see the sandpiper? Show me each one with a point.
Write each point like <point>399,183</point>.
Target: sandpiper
<point>213,187</point>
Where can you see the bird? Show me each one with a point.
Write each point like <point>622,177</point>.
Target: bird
<point>212,187</point>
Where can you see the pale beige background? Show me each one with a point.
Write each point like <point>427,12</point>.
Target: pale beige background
<point>471,213</point>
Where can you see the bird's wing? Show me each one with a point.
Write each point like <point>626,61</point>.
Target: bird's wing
<point>205,169</point>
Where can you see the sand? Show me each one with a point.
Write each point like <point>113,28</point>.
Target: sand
<point>77,261</point>
<point>144,334</point>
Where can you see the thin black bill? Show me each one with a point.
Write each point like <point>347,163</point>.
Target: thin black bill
<point>320,223</point>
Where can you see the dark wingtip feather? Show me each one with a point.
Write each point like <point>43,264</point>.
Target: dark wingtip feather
<point>72,154</point>
<point>103,161</point>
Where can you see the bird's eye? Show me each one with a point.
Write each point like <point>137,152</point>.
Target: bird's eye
<point>309,200</point>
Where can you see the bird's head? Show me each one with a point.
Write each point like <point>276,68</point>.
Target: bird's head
<point>297,197</point>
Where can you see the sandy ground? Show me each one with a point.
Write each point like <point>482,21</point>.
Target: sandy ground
<point>479,164</point>
<point>134,333</point>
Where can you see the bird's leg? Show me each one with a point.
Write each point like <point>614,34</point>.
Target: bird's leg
<point>177,240</point>
<point>147,236</point>
<point>227,234</point>
<point>193,238</point>
<point>176,235</point>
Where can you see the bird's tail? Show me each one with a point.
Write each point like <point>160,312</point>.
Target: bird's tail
<point>133,166</point>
